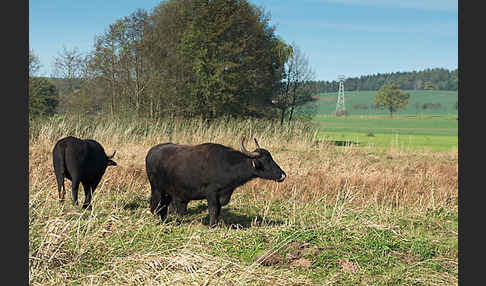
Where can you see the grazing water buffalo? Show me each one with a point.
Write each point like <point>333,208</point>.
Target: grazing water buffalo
<point>181,173</point>
<point>79,160</point>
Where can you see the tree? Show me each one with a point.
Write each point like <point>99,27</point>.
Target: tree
<point>281,100</point>
<point>167,91</point>
<point>187,58</point>
<point>295,89</point>
<point>43,97</point>
<point>439,79</point>
<point>229,49</point>
<point>391,98</point>
<point>210,59</point>
<point>106,64</point>
<point>136,75</point>
<point>300,74</point>
<point>119,64</point>
<point>34,63</point>
<point>428,85</point>
<point>68,65</point>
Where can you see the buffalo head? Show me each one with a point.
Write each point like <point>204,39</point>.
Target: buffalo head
<point>263,164</point>
<point>109,161</point>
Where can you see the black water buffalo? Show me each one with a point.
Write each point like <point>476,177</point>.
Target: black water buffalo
<point>181,173</point>
<point>79,160</point>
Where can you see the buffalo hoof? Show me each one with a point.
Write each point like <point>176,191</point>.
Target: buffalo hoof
<point>86,206</point>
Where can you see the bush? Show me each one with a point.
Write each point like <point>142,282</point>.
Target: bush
<point>340,113</point>
<point>43,97</point>
<point>431,105</point>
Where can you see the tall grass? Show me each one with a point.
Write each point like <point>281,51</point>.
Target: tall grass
<point>394,176</point>
<point>146,131</point>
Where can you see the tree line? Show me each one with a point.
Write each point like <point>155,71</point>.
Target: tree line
<point>428,79</point>
<point>196,59</point>
<point>184,58</point>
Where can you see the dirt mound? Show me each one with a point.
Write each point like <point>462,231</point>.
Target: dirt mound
<point>297,254</point>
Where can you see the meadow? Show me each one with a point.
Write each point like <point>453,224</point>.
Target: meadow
<point>414,128</point>
<point>345,215</point>
<point>447,99</point>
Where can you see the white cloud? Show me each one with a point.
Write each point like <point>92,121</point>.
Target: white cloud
<point>441,5</point>
<point>442,29</point>
<point>449,29</point>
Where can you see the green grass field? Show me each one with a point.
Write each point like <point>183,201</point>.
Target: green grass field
<point>410,128</point>
<point>326,103</point>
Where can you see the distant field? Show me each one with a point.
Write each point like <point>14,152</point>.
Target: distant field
<point>410,128</point>
<point>430,125</point>
<point>326,103</point>
<point>406,142</point>
<point>432,133</point>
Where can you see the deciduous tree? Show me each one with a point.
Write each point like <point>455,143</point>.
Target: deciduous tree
<point>34,63</point>
<point>294,88</point>
<point>43,97</point>
<point>68,65</point>
<point>391,98</point>
<point>229,47</point>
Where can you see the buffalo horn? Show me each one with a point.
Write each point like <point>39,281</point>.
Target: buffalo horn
<point>246,152</point>
<point>256,142</point>
<point>111,157</point>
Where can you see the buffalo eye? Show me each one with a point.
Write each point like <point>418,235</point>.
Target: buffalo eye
<point>257,165</point>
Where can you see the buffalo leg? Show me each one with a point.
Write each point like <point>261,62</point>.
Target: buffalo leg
<point>225,198</point>
<point>154,202</point>
<point>60,187</point>
<point>179,206</point>
<point>214,208</point>
<point>154,197</point>
<point>172,207</point>
<point>87,195</point>
<point>75,190</point>
<point>159,202</point>
<point>182,209</point>
<point>59,171</point>
<point>163,205</point>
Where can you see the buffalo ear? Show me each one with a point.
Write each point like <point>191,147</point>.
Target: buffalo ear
<point>256,164</point>
<point>111,163</point>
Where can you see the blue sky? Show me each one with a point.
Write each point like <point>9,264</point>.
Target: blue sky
<point>348,37</point>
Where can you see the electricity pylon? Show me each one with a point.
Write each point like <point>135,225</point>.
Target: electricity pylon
<point>340,107</point>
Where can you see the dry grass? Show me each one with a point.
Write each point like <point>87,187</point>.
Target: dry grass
<point>119,242</point>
